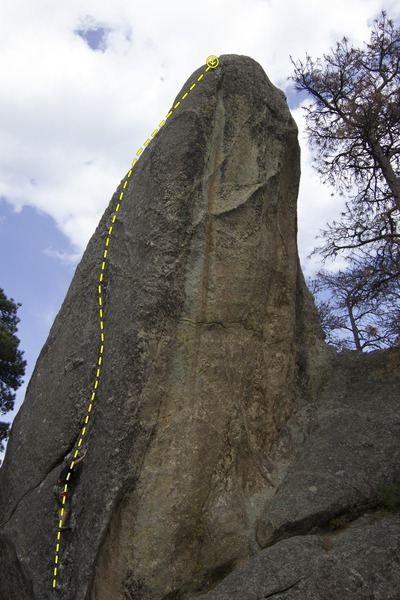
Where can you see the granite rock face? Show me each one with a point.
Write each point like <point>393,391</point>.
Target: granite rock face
<point>359,563</point>
<point>223,424</point>
<point>331,531</point>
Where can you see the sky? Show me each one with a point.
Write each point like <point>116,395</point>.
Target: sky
<point>85,82</point>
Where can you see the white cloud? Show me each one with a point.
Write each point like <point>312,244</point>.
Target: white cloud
<point>317,203</point>
<point>75,117</point>
<point>63,256</point>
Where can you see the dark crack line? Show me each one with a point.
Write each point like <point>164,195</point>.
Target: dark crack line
<point>278,592</point>
<point>225,325</point>
<point>55,463</point>
<point>19,502</point>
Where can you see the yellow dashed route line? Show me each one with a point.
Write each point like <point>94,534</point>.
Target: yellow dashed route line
<point>211,63</point>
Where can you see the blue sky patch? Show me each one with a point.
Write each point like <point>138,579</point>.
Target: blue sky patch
<point>94,36</point>
<point>294,98</point>
<point>32,276</point>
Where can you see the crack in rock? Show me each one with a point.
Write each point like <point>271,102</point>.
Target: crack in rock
<point>279,592</point>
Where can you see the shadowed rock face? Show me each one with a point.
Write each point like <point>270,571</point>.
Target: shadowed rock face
<point>211,405</point>
<point>332,527</point>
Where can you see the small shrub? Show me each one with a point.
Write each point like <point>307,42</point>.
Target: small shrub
<point>339,521</point>
<point>200,528</point>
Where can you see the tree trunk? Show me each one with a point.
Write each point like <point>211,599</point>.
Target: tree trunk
<point>387,170</point>
<point>354,329</point>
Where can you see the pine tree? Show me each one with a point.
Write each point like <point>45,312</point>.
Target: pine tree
<point>12,364</point>
<point>353,126</point>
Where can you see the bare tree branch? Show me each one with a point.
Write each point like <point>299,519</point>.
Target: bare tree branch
<point>353,126</point>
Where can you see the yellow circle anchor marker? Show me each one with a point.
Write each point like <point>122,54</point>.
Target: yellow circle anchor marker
<point>212,62</point>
